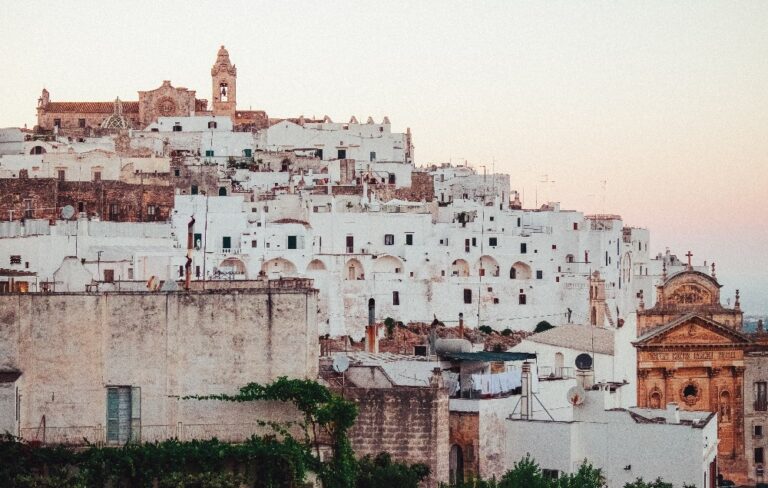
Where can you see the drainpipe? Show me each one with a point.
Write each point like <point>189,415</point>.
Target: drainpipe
<point>190,247</point>
<point>526,398</point>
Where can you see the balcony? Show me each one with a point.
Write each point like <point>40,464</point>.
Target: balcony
<point>230,250</point>
<point>556,373</point>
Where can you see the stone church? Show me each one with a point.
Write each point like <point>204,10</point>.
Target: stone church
<point>93,118</point>
<point>690,351</point>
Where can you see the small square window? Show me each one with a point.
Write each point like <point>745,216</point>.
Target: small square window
<point>467,295</point>
<point>539,274</point>
<point>758,430</point>
<point>389,239</point>
<point>408,239</point>
<point>15,259</point>
<point>523,248</point>
<point>493,241</point>
<point>254,244</point>
<point>81,123</point>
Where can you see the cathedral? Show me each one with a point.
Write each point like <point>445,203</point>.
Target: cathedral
<point>93,118</point>
<point>690,351</point>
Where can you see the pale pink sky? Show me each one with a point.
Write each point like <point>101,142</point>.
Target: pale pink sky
<point>666,101</point>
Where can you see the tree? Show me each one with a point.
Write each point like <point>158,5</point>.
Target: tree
<point>586,477</point>
<point>506,332</point>
<point>639,483</point>
<point>381,472</point>
<point>525,474</point>
<point>485,329</point>
<point>543,326</point>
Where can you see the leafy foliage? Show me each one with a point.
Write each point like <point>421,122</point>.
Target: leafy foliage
<point>527,474</point>
<point>381,472</point>
<point>506,332</point>
<point>485,329</point>
<point>543,326</point>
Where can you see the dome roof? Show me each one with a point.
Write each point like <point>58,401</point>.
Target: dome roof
<point>116,120</point>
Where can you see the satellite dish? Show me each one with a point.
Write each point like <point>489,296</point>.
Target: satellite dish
<point>67,212</point>
<point>340,363</point>
<point>584,361</point>
<point>576,395</point>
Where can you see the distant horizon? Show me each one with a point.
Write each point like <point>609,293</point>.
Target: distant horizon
<point>656,112</point>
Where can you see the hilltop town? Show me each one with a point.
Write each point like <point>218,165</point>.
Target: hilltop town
<point>171,246</point>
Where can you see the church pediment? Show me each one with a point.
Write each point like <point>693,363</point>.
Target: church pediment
<point>692,330</point>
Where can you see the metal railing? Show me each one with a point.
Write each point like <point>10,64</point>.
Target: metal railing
<point>549,372</point>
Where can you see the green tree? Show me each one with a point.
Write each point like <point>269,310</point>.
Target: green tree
<point>543,326</point>
<point>639,483</point>
<point>525,474</point>
<point>485,329</point>
<point>586,477</point>
<point>381,472</point>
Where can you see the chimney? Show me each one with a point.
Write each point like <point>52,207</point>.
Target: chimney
<point>526,395</point>
<point>461,326</point>
<point>371,330</point>
<point>673,413</point>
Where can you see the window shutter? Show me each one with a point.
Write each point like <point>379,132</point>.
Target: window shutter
<point>136,414</point>
<point>112,415</point>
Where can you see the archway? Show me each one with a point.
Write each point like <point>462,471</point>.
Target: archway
<point>37,150</point>
<point>460,268</point>
<point>354,269</point>
<point>520,271</point>
<point>233,267</point>
<point>278,267</point>
<point>456,465</point>
<point>315,265</point>
<point>487,266</point>
<point>388,264</point>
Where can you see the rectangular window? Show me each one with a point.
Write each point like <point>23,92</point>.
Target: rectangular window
<point>130,273</point>
<point>539,274</point>
<point>176,128</point>
<point>395,298</point>
<point>518,221</point>
<point>467,295</point>
<point>408,239</point>
<point>61,174</point>
<point>761,396</point>
<point>123,414</point>
<point>81,123</point>
<point>198,241</point>
<point>226,242</point>
<point>291,242</point>
<point>551,474</point>
<point>152,210</point>
<point>389,239</point>
<point>758,455</point>
<point>15,259</point>
<point>391,179</point>
<point>109,276</point>
<point>523,248</point>
<point>493,241</point>
<point>342,154</point>
<point>81,207</point>
<point>208,152</point>
<point>373,156</point>
<point>28,212</point>
<point>114,211</point>
<point>254,243</point>
<point>247,153</point>
<point>57,123</point>
<point>575,226</point>
<point>466,245</point>
<point>521,299</point>
<point>758,431</point>
<point>350,244</point>
<point>97,176</point>
<point>176,172</point>
<point>193,190</point>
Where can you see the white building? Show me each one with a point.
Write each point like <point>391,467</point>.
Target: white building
<point>626,444</point>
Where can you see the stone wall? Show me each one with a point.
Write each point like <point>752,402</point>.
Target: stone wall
<point>69,347</point>
<point>47,196</point>
<point>465,434</point>
<point>410,423</point>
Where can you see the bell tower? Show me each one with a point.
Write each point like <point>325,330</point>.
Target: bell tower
<point>224,80</point>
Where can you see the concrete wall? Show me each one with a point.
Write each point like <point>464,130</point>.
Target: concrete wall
<point>70,347</point>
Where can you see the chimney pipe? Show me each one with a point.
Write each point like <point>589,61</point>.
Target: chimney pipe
<point>190,246</point>
<point>461,326</point>
<point>371,330</point>
<point>526,396</point>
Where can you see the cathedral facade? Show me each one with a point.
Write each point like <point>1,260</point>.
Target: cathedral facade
<point>690,351</point>
<point>92,118</point>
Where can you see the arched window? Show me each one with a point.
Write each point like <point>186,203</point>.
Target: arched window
<point>37,150</point>
<point>725,407</point>
<point>223,92</point>
<point>569,258</point>
<point>512,273</point>
<point>222,191</point>
<point>654,401</point>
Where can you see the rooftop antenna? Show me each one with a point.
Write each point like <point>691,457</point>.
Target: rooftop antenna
<point>604,185</point>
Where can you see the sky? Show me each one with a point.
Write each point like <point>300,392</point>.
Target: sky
<point>653,110</point>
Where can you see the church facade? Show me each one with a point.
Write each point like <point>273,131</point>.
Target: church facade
<point>82,119</point>
<point>691,351</point>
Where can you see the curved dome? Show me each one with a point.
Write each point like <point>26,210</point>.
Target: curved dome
<point>116,120</point>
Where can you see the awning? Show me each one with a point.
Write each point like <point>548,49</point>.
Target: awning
<point>487,356</point>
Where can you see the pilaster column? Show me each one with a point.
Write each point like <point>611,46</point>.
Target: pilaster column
<point>669,395</point>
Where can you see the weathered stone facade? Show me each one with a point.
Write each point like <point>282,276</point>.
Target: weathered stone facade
<point>411,423</point>
<point>70,348</point>
<point>690,351</point>
<point>465,442</point>
<point>43,198</point>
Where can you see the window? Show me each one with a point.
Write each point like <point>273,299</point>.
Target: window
<point>81,207</point>
<point>151,210</point>
<point>28,212</point>
<point>467,295</point>
<point>181,271</point>
<point>226,242</point>
<point>130,273</point>
<point>759,455</point>
<point>758,431</point>
<point>222,191</point>
<point>523,248</point>
<point>761,396</point>
<point>518,222</point>
<point>97,176</point>
<point>319,153</point>
<point>373,156</point>
<point>177,128</point>
<point>539,274</point>
<point>551,474</point>
<point>114,211</point>
<point>193,190</point>
<point>391,180</point>
<point>81,123</point>
<point>15,259</point>
<point>350,244</point>
<point>342,154</point>
<point>123,414</point>
<point>408,239</point>
<point>37,150</point>
<point>395,298</point>
<point>109,276</point>
<point>466,245</point>
<point>492,218</point>
<point>291,242</point>
<point>247,153</point>
<point>521,299</point>
<point>575,226</point>
<point>212,125</point>
<point>389,239</point>
<point>176,172</point>
<point>254,243</point>
<point>474,242</point>
<point>61,174</point>
<point>57,123</point>
<point>198,241</point>
<point>209,153</point>
<point>492,241</point>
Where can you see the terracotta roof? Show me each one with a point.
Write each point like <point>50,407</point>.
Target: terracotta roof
<point>90,107</point>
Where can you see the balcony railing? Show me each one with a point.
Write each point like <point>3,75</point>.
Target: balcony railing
<point>562,372</point>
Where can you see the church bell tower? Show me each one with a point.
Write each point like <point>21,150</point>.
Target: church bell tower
<point>224,80</point>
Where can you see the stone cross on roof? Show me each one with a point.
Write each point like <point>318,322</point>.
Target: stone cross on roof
<point>690,255</point>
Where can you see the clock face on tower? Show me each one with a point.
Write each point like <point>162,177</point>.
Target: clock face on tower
<point>166,106</point>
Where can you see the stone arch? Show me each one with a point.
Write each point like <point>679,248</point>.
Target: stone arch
<point>520,271</point>
<point>354,270</point>
<point>316,265</point>
<point>456,465</point>
<point>388,264</point>
<point>654,398</point>
<point>460,268</point>
<point>487,266</point>
<point>232,265</point>
<point>37,150</point>
<point>569,258</point>
<point>279,267</point>
<point>725,406</point>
